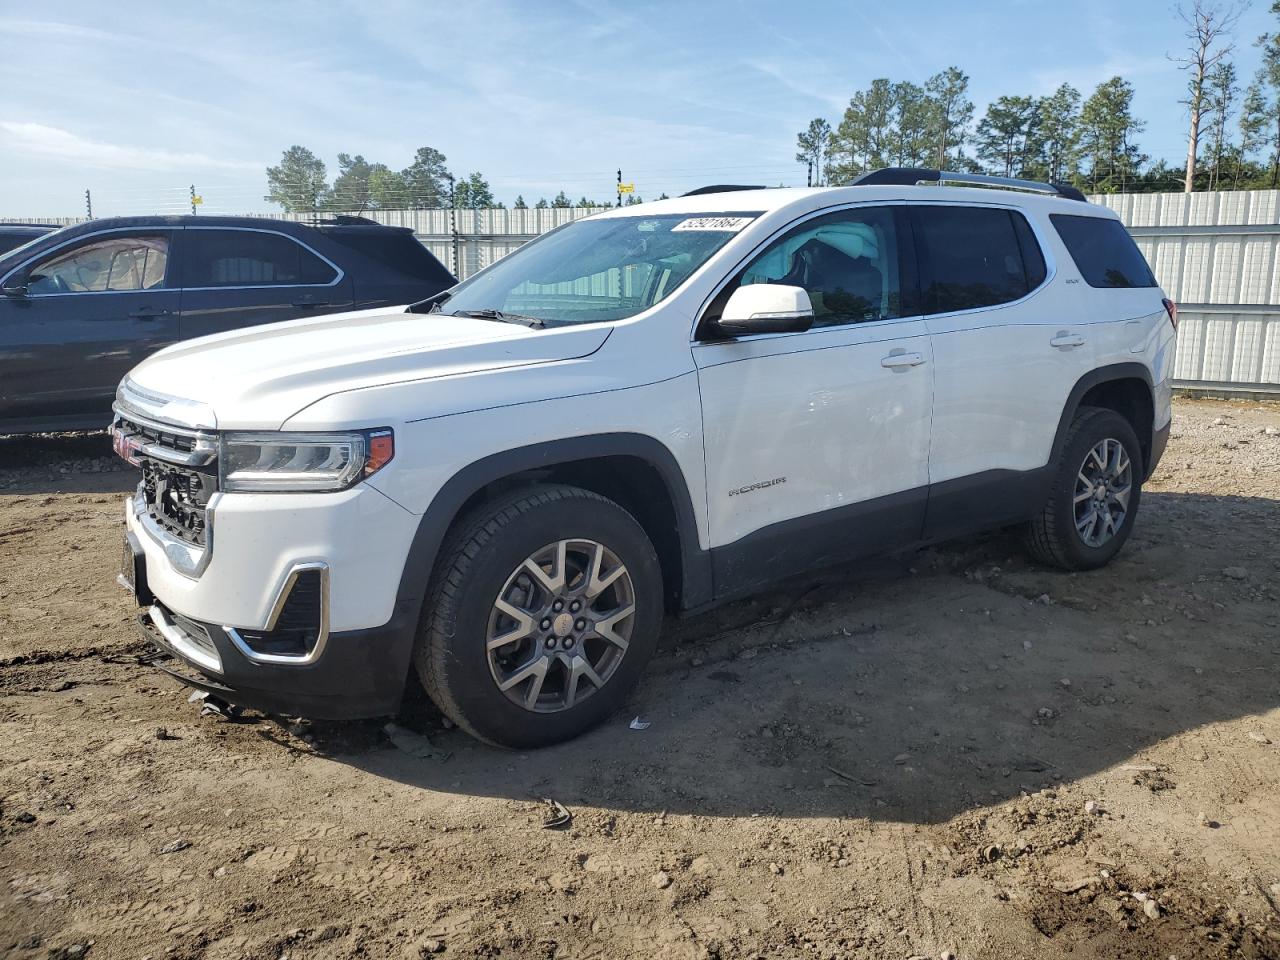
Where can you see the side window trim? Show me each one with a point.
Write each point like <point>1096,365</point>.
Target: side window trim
<point>926,268</point>
<point>85,239</point>
<point>339,273</point>
<point>908,268</point>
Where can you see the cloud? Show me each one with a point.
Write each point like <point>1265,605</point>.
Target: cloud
<point>41,140</point>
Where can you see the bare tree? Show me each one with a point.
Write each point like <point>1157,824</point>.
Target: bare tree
<point>1209,25</point>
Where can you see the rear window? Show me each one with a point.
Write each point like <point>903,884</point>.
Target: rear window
<point>976,257</point>
<point>248,258</point>
<point>400,252</point>
<point>1103,251</point>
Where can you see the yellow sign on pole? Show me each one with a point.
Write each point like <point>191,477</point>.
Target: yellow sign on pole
<point>626,188</point>
<point>196,201</point>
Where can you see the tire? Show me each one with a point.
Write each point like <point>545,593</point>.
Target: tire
<point>490,558</point>
<point>1054,537</point>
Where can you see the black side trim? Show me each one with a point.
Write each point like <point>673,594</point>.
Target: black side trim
<point>827,538</point>
<point>1159,440</point>
<point>983,501</point>
<point>444,508</point>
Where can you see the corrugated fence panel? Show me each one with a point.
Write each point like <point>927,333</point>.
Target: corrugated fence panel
<point>1217,254</point>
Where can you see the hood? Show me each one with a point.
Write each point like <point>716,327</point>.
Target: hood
<point>258,377</point>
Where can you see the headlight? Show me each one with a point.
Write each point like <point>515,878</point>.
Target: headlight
<point>301,462</point>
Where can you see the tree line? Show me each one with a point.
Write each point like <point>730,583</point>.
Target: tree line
<point>1089,142</point>
<point>300,184</point>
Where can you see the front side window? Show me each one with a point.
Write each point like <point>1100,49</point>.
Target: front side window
<point>1103,251</point>
<point>598,269</point>
<point>847,262</point>
<point>973,257</point>
<point>248,258</point>
<point>118,263</point>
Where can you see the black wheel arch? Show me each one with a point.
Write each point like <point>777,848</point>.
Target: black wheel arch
<point>621,466</point>
<point>1127,389</point>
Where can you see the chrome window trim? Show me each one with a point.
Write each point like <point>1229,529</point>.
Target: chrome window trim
<point>177,639</point>
<point>322,636</point>
<point>338,271</point>
<point>89,236</point>
<point>168,288</point>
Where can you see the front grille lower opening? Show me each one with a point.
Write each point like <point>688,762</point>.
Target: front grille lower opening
<point>298,627</point>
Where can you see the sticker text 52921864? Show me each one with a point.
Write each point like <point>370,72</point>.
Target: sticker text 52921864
<point>720,224</point>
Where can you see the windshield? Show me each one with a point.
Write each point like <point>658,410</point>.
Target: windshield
<point>18,252</point>
<point>593,270</point>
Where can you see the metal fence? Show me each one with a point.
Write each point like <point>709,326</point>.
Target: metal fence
<point>1216,254</point>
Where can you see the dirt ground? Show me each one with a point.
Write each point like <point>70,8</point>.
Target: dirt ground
<point>956,754</point>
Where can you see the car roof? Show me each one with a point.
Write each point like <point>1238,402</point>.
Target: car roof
<point>765,200</point>
<point>258,223</point>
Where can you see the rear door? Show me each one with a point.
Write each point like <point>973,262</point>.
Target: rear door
<point>1008,348</point>
<point>235,277</point>
<point>93,309</point>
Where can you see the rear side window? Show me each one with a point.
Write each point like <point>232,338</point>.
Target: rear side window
<point>975,257</point>
<point>1103,251</point>
<point>247,258</point>
<point>400,252</point>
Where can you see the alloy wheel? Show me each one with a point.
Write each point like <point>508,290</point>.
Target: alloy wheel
<point>561,625</point>
<point>1104,484</point>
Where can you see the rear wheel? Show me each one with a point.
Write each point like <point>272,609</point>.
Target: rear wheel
<point>1093,501</point>
<point>542,616</point>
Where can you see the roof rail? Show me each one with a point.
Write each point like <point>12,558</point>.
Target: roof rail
<point>721,188</point>
<point>342,220</point>
<point>913,176</point>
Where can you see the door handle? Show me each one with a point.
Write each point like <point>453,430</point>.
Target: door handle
<point>146,313</point>
<point>900,361</point>
<point>1067,340</point>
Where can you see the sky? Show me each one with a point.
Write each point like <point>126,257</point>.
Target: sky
<point>138,104</point>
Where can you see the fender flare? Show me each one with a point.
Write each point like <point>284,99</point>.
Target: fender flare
<point>446,506</point>
<point>1107,374</point>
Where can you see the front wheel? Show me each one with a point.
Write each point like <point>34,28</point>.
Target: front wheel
<point>1093,501</point>
<point>542,616</point>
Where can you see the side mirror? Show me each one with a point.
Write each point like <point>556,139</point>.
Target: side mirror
<point>766,308</point>
<point>17,289</point>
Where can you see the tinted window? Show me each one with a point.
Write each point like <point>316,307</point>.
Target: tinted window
<point>118,263</point>
<point>246,258</point>
<point>1103,251</point>
<point>396,251</point>
<point>973,257</point>
<point>847,262</point>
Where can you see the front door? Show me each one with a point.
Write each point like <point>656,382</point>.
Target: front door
<point>817,443</point>
<point>91,311</point>
<point>234,277</point>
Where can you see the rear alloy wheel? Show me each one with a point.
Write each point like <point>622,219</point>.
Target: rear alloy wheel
<point>1094,494</point>
<point>541,616</point>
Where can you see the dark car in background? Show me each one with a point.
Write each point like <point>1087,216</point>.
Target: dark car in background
<point>82,305</point>
<point>16,234</point>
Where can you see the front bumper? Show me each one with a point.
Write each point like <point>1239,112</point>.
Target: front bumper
<point>355,542</point>
<point>362,673</point>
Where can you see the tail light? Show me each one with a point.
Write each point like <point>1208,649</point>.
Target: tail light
<point>1171,308</point>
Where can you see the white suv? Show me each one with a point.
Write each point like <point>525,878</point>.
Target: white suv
<point>655,409</point>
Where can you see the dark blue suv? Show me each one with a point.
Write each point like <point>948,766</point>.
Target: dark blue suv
<point>81,306</point>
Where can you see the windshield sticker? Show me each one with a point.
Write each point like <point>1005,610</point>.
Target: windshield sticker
<point>719,224</point>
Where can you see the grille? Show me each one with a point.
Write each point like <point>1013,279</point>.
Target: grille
<point>176,495</point>
<point>197,635</point>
